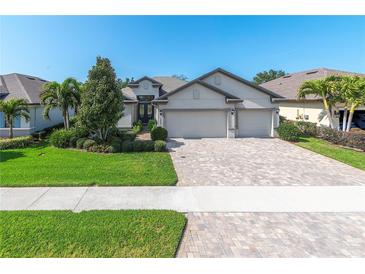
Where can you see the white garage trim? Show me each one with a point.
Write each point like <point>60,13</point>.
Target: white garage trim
<point>255,123</point>
<point>196,123</point>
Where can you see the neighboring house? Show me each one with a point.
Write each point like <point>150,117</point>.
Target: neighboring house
<point>217,104</point>
<point>311,108</point>
<point>29,88</point>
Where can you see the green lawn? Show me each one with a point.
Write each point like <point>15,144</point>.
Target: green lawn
<point>130,233</point>
<point>43,165</point>
<point>347,156</point>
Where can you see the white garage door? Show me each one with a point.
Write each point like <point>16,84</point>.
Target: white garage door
<point>254,123</point>
<point>196,123</point>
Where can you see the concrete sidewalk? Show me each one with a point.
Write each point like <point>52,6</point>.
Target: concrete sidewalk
<point>189,199</point>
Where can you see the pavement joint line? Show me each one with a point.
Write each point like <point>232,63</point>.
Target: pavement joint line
<point>38,198</point>
<point>82,197</point>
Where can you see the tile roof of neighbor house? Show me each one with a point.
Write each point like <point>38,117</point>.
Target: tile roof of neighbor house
<point>288,85</point>
<point>20,86</point>
<point>168,84</point>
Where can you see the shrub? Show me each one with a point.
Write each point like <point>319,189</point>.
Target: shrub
<point>60,138</point>
<point>101,148</point>
<point>307,128</point>
<point>289,132</point>
<point>138,146</point>
<point>151,124</point>
<point>159,133</point>
<point>148,145</point>
<point>137,127</point>
<point>330,135</point>
<point>282,119</point>
<point>128,136</point>
<point>160,146</point>
<point>116,144</point>
<point>88,143</point>
<point>127,146</point>
<point>80,142</point>
<point>73,141</point>
<point>17,142</point>
<point>355,140</point>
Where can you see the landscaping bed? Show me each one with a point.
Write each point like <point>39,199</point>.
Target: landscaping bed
<point>90,234</point>
<point>347,156</point>
<point>44,165</point>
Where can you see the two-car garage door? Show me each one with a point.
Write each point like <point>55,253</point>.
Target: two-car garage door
<point>213,123</point>
<point>196,123</point>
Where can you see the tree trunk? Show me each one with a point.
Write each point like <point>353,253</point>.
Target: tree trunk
<point>344,120</point>
<point>11,128</point>
<point>328,111</point>
<point>352,110</point>
<point>67,120</point>
<point>64,119</point>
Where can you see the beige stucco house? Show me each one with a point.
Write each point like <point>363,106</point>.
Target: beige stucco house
<point>309,109</point>
<point>29,88</point>
<point>216,104</point>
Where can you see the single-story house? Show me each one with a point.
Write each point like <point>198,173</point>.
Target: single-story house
<point>216,104</point>
<point>309,109</point>
<point>29,88</point>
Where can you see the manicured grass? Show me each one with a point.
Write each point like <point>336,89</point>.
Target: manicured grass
<point>43,165</point>
<point>347,156</point>
<point>130,233</point>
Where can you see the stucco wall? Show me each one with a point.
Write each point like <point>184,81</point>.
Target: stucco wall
<point>196,96</point>
<point>252,97</point>
<point>38,122</point>
<point>128,116</point>
<point>313,110</point>
<point>145,88</point>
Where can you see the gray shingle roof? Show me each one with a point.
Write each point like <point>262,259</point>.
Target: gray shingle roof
<point>288,85</point>
<point>20,86</point>
<point>168,84</point>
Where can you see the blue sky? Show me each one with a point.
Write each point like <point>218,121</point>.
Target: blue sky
<point>56,47</point>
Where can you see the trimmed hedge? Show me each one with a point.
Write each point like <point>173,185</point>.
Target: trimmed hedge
<point>307,129</point>
<point>159,133</point>
<point>80,143</point>
<point>160,146</point>
<point>289,132</point>
<point>17,142</point>
<point>61,138</point>
<point>349,139</point>
<point>127,146</point>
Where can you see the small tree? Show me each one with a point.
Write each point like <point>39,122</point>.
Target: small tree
<point>353,95</point>
<point>326,89</point>
<point>12,109</point>
<point>266,76</point>
<point>63,96</point>
<point>101,100</point>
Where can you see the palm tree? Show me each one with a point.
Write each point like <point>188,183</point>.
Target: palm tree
<point>353,94</point>
<point>63,95</point>
<point>14,108</point>
<point>324,88</point>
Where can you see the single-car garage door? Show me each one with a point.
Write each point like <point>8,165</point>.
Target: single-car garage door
<point>196,123</point>
<point>254,123</point>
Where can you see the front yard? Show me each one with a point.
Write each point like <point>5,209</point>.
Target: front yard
<point>90,234</point>
<point>43,165</point>
<point>347,156</point>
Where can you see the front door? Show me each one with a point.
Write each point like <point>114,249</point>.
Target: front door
<point>145,108</point>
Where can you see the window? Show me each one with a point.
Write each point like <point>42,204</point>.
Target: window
<point>2,120</point>
<point>145,98</point>
<point>16,122</point>
<point>196,94</point>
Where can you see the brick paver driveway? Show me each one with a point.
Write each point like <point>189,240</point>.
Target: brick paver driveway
<point>255,161</point>
<point>268,235</point>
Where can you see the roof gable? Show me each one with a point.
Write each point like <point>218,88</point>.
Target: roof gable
<point>241,80</point>
<point>200,82</point>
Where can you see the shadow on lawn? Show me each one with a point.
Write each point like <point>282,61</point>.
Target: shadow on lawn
<point>8,155</point>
